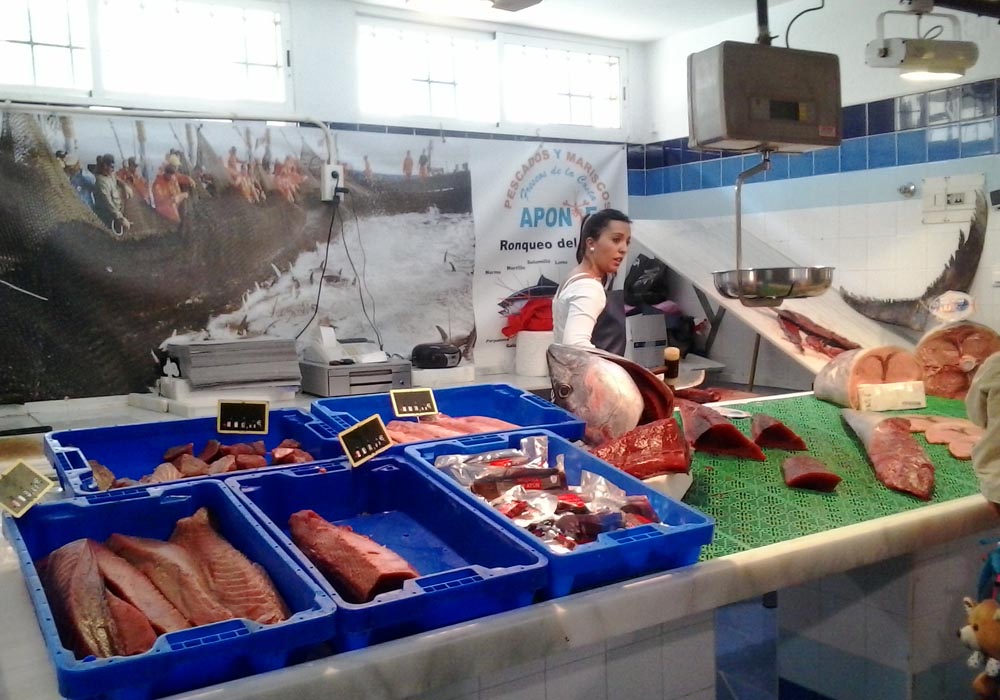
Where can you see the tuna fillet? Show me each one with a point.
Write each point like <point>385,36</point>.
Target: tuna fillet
<point>804,472</point>
<point>768,431</point>
<point>709,431</point>
<point>176,573</point>
<point>649,450</point>
<point>899,461</point>
<point>239,584</point>
<point>76,593</point>
<point>840,378</point>
<point>133,633</point>
<point>133,587</point>
<point>359,567</point>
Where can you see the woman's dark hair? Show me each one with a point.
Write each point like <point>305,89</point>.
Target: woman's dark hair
<point>592,226</point>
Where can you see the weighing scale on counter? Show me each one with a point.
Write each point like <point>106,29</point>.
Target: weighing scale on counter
<point>349,367</point>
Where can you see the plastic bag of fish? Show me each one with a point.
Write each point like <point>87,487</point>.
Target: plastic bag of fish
<point>521,484</point>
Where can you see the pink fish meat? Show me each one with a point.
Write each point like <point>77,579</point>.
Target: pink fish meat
<point>176,573</point>
<point>360,567</point>
<point>76,593</point>
<point>239,584</point>
<point>900,462</point>
<point>132,586</point>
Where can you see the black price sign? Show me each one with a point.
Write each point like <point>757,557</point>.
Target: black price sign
<point>242,417</point>
<point>363,441</point>
<point>413,402</point>
<point>21,487</point>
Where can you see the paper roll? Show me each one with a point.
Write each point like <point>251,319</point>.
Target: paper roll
<point>529,356</point>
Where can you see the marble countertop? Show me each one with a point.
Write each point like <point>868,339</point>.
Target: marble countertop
<point>420,663</point>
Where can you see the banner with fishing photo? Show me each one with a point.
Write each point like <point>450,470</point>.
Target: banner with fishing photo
<point>528,201</point>
<point>119,233</point>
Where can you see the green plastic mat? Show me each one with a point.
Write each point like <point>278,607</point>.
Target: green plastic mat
<point>753,507</point>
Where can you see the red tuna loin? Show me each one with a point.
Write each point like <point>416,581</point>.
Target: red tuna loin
<point>709,431</point>
<point>839,379</point>
<point>359,567</point>
<point>133,587</point>
<point>133,633</point>
<point>804,472</point>
<point>238,583</point>
<point>649,450</point>
<point>952,353</point>
<point>76,593</point>
<point>768,431</point>
<point>899,461</point>
<point>175,572</point>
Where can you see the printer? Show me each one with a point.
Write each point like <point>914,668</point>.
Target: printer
<point>332,367</point>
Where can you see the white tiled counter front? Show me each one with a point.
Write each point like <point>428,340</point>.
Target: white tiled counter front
<point>651,637</point>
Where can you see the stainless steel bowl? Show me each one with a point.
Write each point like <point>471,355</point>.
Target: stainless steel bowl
<point>773,282</point>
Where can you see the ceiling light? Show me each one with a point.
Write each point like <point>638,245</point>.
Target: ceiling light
<point>921,58</point>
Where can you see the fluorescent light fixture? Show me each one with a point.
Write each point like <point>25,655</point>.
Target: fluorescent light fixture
<point>920,58</point>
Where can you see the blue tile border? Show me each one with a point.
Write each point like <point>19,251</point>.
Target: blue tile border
<point>959,121</point>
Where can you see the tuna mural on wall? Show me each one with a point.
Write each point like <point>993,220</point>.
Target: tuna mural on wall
<point>117,234</point>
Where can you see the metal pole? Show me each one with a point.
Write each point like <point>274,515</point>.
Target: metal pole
<point>753,362</point>
<point>162,114</point>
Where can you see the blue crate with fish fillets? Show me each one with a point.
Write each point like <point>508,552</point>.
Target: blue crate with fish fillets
<point>615,556</point>
<point>468,566</point>
<point>502,401</point>
<point>134,451</point>
<point>189,658</point>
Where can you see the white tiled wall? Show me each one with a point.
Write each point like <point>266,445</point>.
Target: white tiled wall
<point>886,630</point>
<point>666,662</point>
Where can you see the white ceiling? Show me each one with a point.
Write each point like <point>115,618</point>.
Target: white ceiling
<point>623,20</point>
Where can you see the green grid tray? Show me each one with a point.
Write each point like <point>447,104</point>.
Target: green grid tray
<point>753,507</point>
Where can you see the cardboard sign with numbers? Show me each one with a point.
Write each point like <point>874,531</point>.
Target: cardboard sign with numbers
<point>21,487</point>
<point>364,440</point>
<point>242,417</point>
<point>413,402</point>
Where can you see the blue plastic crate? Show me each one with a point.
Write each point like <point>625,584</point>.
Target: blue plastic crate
<point>185,659</point>
<point>621,554</point>
<point>469,567</point>
<point>135,450</point>
<point>501,401</point>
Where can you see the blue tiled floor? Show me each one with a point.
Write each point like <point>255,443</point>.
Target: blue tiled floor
<point>746,638</point>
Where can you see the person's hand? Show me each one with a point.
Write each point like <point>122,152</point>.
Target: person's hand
<point>126,224</point>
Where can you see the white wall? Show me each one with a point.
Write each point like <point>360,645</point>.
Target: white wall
<point>843,27</point>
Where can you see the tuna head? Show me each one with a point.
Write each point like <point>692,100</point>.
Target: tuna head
<point>596,390</point>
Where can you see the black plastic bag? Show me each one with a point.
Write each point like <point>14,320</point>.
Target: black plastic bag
<point>646,282</point>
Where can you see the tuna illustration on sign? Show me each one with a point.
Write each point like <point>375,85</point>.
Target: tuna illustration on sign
<point>956,276</point>
<point>514,302</point>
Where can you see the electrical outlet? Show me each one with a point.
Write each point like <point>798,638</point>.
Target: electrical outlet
<point>954,199</point>
<point>332,178</point>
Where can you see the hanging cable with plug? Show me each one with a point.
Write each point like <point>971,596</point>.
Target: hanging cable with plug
<point>326,258</point>
<point>363,280</point>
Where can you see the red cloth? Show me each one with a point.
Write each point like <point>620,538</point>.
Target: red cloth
<point>536,315</point>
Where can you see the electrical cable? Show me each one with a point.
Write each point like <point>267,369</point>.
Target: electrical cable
<point>362,285</point>
<point>364,279</point>
<point>326,257</point>
<point>934,32</point>
<point>822,4</point>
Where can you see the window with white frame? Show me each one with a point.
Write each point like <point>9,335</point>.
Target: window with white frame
<point>429,74</point>
<point>544,85</point>
<point>206,50</point>
<point>410,70</point>
<point>45,43</point>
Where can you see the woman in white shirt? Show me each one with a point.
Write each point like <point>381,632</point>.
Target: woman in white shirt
<point>579,304</point>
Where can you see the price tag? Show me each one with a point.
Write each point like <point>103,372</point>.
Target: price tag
<point>21,487</point>
<point>363,441</point>
<point>242,417</point>
<point>413,402</point>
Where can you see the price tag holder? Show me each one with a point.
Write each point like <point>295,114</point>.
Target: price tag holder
<point>413,402</point>
<point>364,440</point>
<point>242,417</point>
<point>21,487</point>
